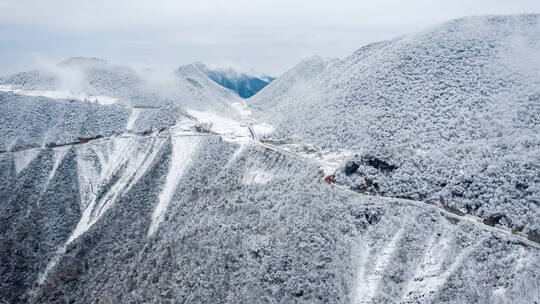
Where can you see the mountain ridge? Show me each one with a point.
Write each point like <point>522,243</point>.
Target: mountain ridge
<point>451,107</point>
<point>244,84</point>
<point>177,191</point>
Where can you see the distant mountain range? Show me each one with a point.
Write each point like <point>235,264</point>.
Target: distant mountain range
<point>245,85</point>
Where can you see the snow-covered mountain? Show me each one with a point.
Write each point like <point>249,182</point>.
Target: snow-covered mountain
<point>299,76</point>
<point>244,84</point>
<point>453,112</point>
<point>155,187</point>
<point>91,75</point>
<point>205,93</point>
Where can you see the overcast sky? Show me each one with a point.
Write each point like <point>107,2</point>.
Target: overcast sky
<point>270,36</point>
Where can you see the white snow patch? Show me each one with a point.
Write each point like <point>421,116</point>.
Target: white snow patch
<point>183,148</point>
<point>257,176</point>
<point>328,161</point>
<point>245,113</point>
<point>432,273</point>
<point>112,156</point>
<point>132,118</point>
<point>229,129</point>
<point>262,129</point>
<point>185,127</point>
<point>367,284</point>
<point>128,154</point>
<point>24,158</point>
<point>43,276</point>
<point>236,154</point>
<point>59,154</point>
<point>101,99</point>
<point>362,259</point>
<point>427,276</point>
<point>499,292</point>
<point>241,108</point>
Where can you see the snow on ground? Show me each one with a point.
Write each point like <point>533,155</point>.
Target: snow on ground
<point>184,128</point>
<point>132,118</point>
<point>368,283</point>
<point>43,276</point>
<point>454,108</point>
<point>122,155</point>
<point>241,108</point>
<point>182,150</point>
<point>262,129</point>
<point>328,161</point>
<point>59,154</point>
<point>101,99</point>
<point>257,176</point>
<point>24,158</point>
<point>427,277</point>
<point>236,154</point>
<point>230,129</point>
<point>126,156</point>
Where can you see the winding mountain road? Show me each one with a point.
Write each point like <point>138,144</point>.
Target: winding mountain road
<point>254,139</point>
<point>477,221</point>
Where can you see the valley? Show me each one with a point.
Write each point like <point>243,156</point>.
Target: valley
<point>407,172</point>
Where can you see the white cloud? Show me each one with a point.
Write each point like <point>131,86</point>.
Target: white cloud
<point>269,35</point>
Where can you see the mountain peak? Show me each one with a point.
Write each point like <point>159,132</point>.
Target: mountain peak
<point>245,84</point>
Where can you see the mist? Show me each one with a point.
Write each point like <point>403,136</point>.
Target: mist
<point>266,36</point>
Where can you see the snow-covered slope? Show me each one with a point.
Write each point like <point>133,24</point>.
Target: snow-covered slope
<point>91,78</point>
<point>454,112</point>
<point>167,196</point>
<point>92,75</point>
<point>30,122</point>
<point>296,79</point>
<point>205,94</point>
<point>148,219</point>
<point>82,99</point>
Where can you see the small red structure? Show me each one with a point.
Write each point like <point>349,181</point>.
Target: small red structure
<point>329,179</point>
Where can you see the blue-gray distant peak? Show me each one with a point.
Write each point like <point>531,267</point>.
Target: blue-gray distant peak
<point>243,84</point>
